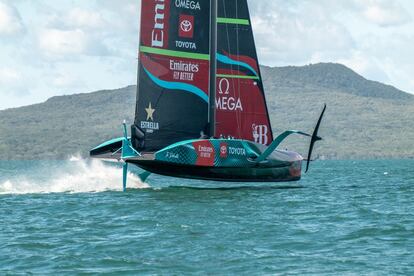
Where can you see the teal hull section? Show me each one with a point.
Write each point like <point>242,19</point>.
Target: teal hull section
<point>222,160</point>
<point>242,174</point>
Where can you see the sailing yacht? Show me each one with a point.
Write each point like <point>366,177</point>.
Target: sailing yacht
<point>201,109</point>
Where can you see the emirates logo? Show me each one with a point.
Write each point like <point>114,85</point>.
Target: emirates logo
<point>186,26</point>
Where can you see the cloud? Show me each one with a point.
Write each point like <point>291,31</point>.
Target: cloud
<point>10,20</point>
<point>288,33</point>
<point>78,18</point>
<point>367,36</point>
<point>81,18</point>
<point>385,13</point>
<point>12,82</point>
<point>89,30</point>
<point>61,42</point>
<point>66,80</point>
<point>77,46</point>
<point>67,44</point>
<point>9,76</point>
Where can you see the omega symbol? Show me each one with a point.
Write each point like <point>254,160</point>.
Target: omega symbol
<point>224,86</point>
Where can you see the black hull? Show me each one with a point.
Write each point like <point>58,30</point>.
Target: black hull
<point>226,174</point>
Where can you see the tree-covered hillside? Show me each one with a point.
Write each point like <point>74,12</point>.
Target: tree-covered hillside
<point>365,119</point>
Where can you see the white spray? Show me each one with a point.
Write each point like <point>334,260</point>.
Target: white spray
<point>82,177</point>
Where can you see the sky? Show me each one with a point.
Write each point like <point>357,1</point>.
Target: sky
<point>50,48</point>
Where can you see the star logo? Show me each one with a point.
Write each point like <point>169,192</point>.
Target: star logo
<point>150,112</point>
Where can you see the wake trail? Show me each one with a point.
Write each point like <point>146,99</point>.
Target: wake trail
<point>75,175</point>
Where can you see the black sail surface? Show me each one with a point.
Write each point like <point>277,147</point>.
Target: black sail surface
<point>173,73</point>
<point>241,109</point>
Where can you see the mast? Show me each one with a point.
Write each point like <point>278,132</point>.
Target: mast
<point>213,68</point>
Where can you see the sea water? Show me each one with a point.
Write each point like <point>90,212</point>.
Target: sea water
<point>70,217</point>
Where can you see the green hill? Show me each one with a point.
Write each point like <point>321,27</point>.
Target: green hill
<point>365,119</point>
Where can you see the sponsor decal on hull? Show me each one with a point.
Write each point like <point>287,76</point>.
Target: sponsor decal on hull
<point>226,151</point>
<point>205,153</point>
<point>173,155</point>
<point>223,150</point>
<point>237,151</point>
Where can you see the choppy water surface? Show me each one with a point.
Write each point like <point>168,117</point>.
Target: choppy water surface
<point>345,217</point>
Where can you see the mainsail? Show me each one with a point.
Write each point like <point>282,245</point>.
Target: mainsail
<point>240,99</point>
<point>173,73</point>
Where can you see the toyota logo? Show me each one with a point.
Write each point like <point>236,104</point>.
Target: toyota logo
<point>186,26</point>
<point>223,150</point>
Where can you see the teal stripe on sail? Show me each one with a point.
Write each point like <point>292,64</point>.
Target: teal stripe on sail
<point>178,86</point>
<point>226,60</point>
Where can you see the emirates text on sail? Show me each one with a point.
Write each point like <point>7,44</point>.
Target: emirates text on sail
<point>157,35</point>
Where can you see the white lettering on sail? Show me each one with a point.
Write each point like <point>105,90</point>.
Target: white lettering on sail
<point>157,37</point>
<point>185,45</point>
<point>188,4</point>
<point>260,134</point>
<point>227,102</point>
<point>150,126</point>
<point>224,86</point>
<point>184,71</point>
<point>184,66</point>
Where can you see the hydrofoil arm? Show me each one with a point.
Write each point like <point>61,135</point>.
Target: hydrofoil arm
<point>273,146</point>
<point>314,138</point>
